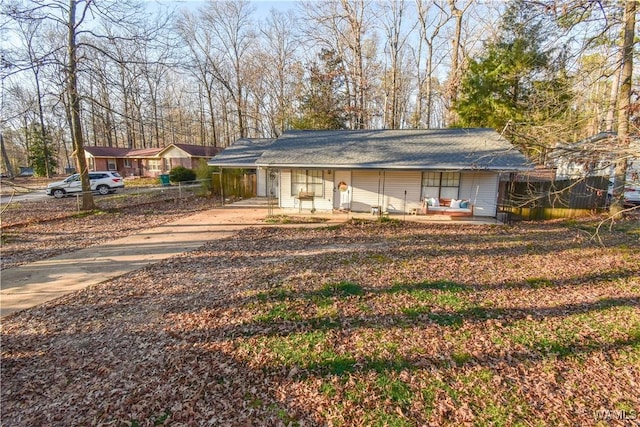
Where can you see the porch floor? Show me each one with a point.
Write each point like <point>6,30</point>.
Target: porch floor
<point>263,202</point>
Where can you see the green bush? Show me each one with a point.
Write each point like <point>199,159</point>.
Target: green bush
<point>204,173</point>
<point>181,174</point>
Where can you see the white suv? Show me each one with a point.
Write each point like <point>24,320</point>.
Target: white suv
<point>102,182</point>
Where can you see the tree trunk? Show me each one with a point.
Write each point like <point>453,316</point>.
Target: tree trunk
<point>43,131</point>
<point>5,157</point>
<point>624,101</point>
<point>74,101</point>
<point>610,121</point>
<point>454,72</point>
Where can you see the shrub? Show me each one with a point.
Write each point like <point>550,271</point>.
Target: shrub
<point>182,174</point>
<point>204,173</point>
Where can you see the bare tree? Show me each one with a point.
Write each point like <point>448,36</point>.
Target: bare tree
<point>455,71</point>
<point>432,18</point>
<point>624,103</point>
<point>282,78</point>
<point>77,137</point>
<point>344,27</point>
<point>395,76</point>
<point>231,29</point>
<point>79,20</point>
<point>200,63</point>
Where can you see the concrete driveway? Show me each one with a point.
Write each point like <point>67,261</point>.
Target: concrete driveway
<point>34,283</point>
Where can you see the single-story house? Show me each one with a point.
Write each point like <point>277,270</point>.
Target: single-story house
<point>147,161</point>
<point>395,171</point>
<point>595,156</point>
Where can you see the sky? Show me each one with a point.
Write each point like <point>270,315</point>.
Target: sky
<point>262,6</point>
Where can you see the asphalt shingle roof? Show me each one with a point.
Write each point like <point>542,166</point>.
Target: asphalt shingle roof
<point>193,150</point>
<point>395,149</point>
<point>106,151</point>
<point>244,153</point>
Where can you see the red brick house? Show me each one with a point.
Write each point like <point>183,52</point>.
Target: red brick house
<point>147,161</point>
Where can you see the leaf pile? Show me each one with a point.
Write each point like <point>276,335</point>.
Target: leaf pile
<point>399,324</point>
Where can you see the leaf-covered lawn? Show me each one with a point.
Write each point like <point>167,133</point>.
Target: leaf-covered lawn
<point>392,324</point>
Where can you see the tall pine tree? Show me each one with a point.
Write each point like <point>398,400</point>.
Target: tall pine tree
<point>322,104</point>
<point>517,84</point>
<point>40,156</point>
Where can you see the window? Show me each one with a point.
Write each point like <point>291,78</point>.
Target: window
<point>111,164</point>
<point>441,185</point>
<point>306,180</point>
<point>127,163</point>
<point>154,165</point>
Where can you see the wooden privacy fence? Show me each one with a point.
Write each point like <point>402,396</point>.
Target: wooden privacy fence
<point>555,199</point>
<point>233,184</point>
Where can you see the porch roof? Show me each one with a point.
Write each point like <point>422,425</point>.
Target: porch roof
<point>434,149</point>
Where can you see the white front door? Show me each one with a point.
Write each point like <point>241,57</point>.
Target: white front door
<point>342,190</point>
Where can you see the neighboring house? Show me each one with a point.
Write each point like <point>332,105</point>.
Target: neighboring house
<point>147,161</point>
<point>594,156</point>
<point>394,170</point>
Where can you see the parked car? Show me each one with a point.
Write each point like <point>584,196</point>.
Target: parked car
<point>25,171</point>
<point>102,182</point>
<point>631,194</point>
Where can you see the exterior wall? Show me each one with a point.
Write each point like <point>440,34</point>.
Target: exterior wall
<point>481,188</point>
<point>102,164</point>
<point>567,169</point>
<point>132,170</point>
<point>396,183</point>
<point>265,184</point>
<point>147,171</point>
<point>175,153</point>
<point>386,188</point>
<point>175,157</point>
<point>287,200</point>
<point>366,185</point>
<point>342,198</point>
<point>261,182</point>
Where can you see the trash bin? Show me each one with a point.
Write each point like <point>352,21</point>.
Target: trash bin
<point>164,180</point>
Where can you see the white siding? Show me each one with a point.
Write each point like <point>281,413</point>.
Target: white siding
<point>286,199</point>
<point>261,182</point>
<point>323,202</point>
<point>386,189</point>
<point>366,187</point>
<point>395,185</point>
<point>482,189</point>
<point>342,199</point>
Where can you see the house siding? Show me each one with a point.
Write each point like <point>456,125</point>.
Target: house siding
<point>322,202</point>
<point>286,199</point>
<point>481,188</point>
<point>395,185</point>
<point>366,186</point>
<point>262,183</point>
<point>387,189</point>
